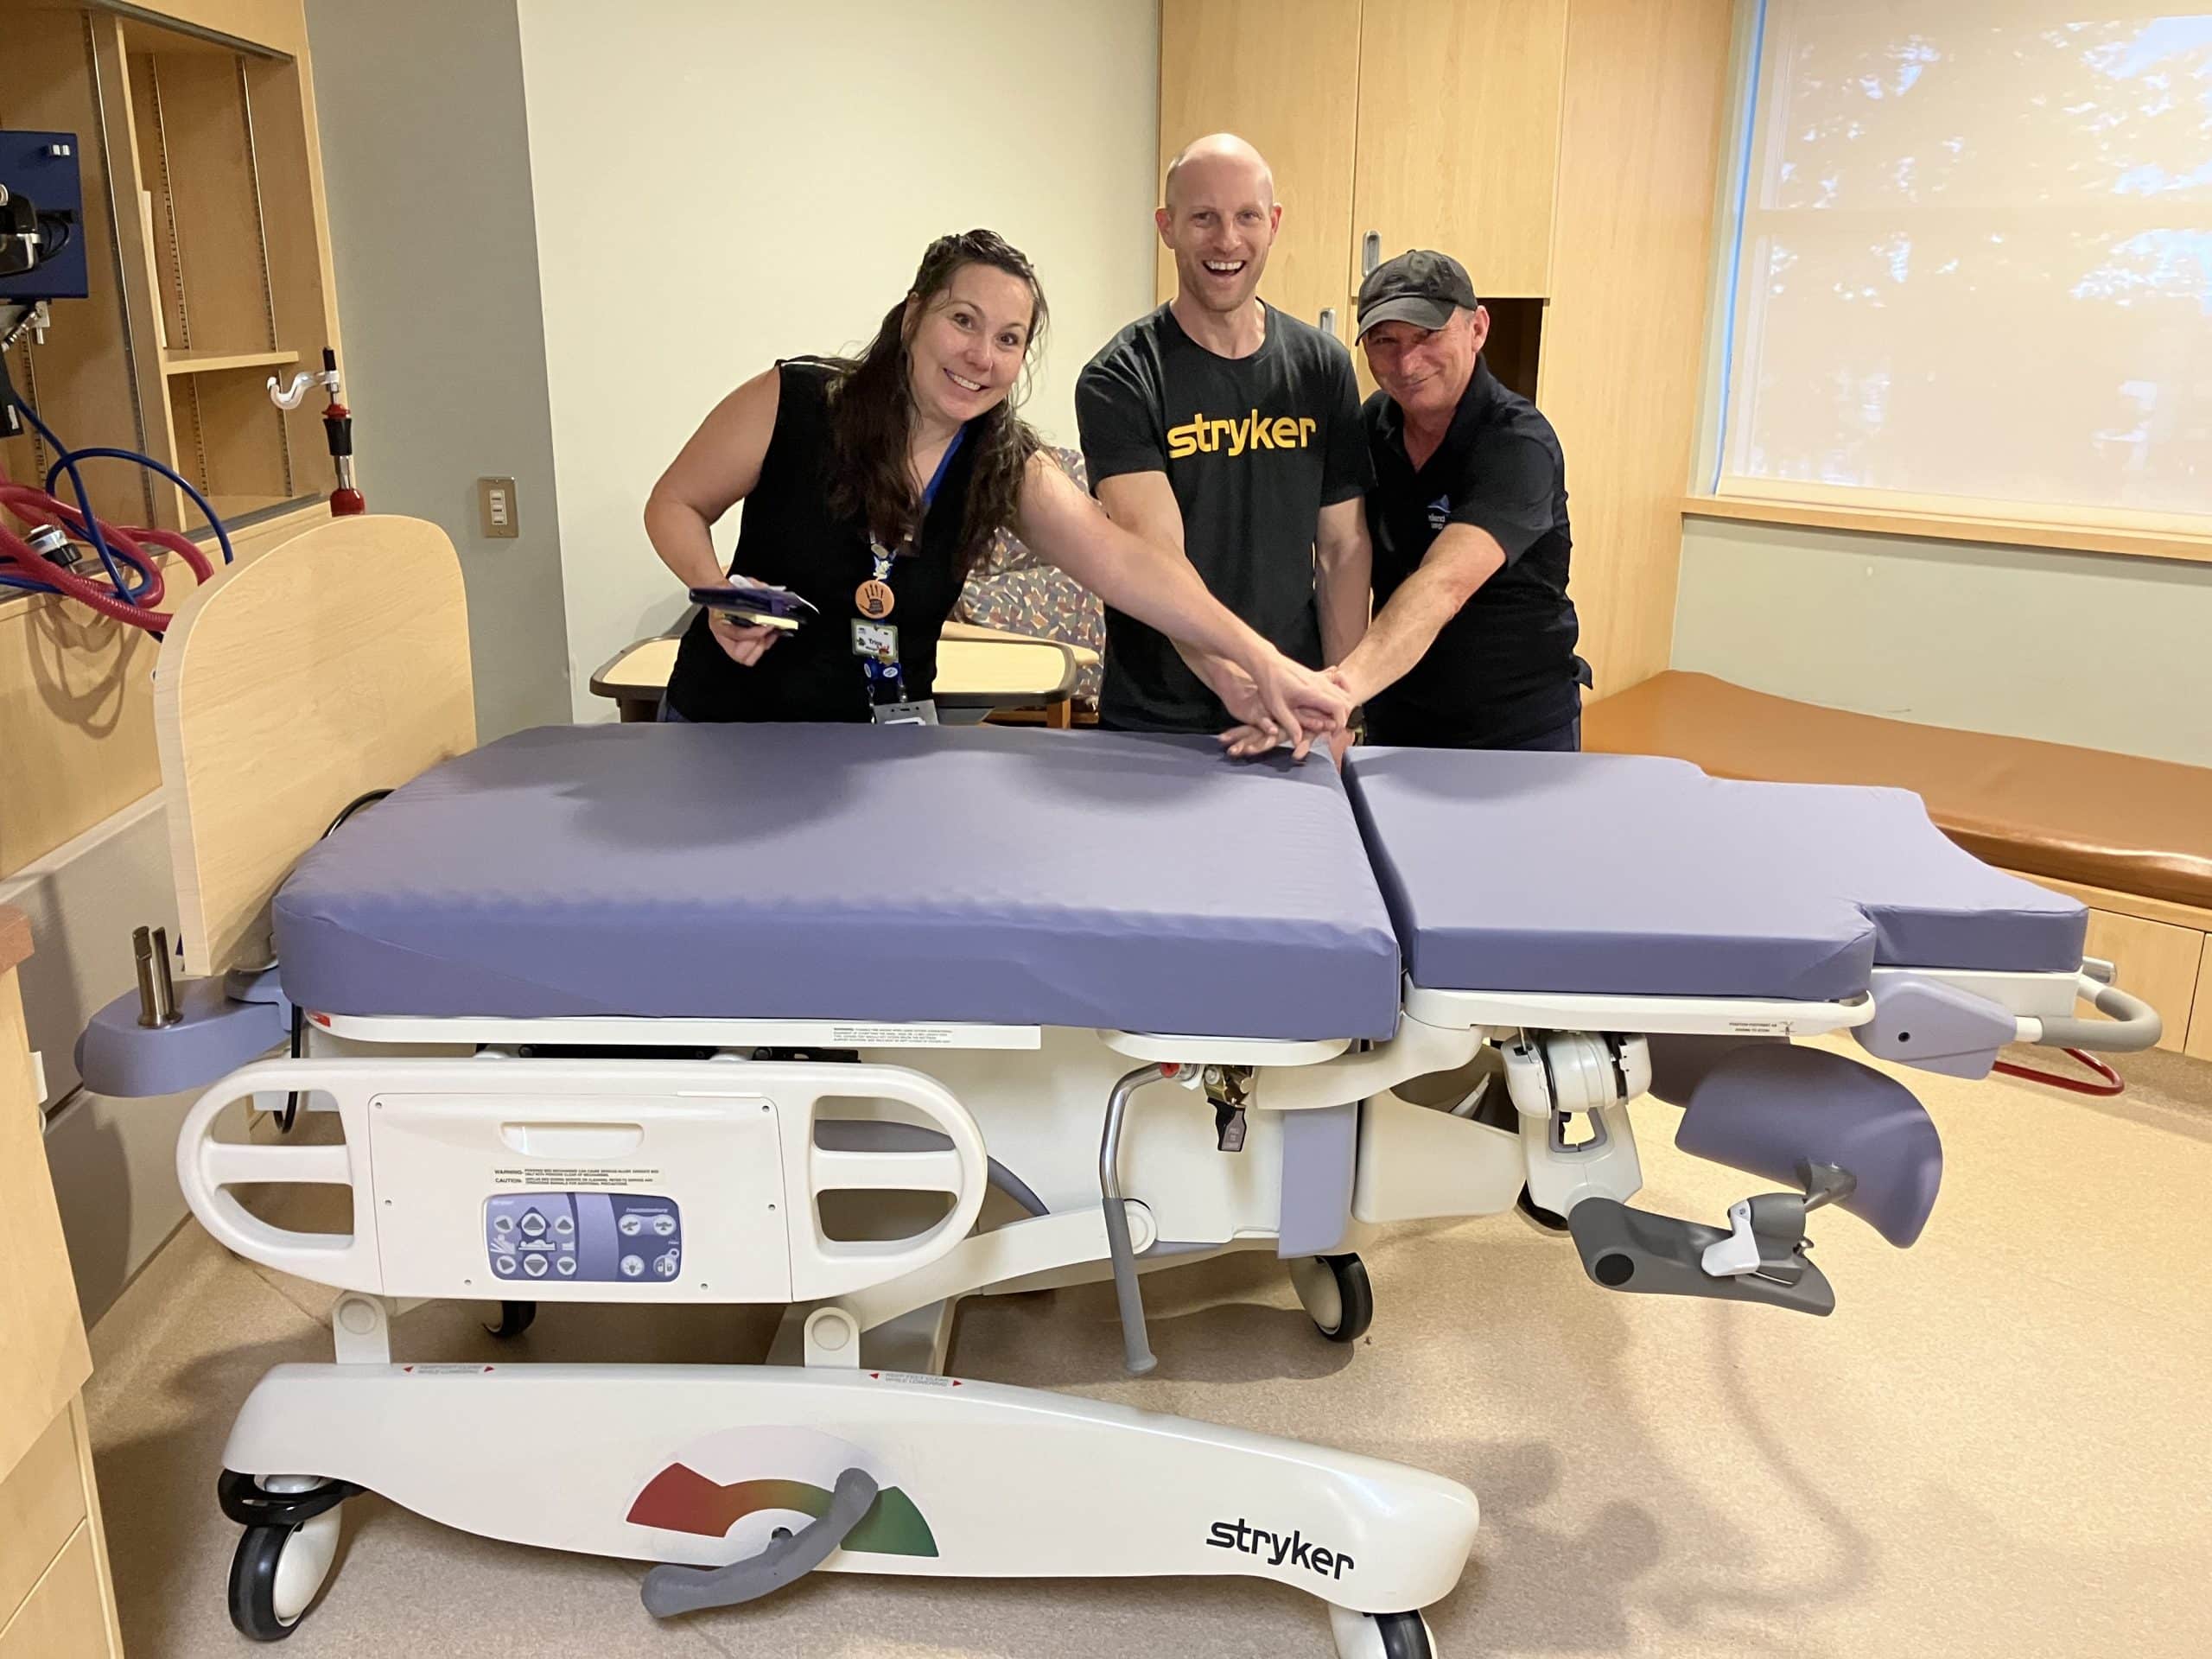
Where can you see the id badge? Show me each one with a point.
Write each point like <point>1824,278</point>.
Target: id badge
<point>923,713</point>
<point>876,640</point>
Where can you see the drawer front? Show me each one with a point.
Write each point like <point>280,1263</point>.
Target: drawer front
<point>64,1617</point>
<point>41,1503</point>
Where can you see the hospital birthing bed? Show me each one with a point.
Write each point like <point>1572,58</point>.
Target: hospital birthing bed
<point>632,1013</point>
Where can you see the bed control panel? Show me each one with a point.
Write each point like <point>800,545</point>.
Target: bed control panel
<point>584,1237</point>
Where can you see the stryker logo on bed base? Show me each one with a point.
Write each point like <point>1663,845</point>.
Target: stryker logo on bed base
<point>1276,1548</point>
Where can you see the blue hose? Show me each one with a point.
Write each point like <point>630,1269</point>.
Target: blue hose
<point>222,536</point>
<point>67,461</point>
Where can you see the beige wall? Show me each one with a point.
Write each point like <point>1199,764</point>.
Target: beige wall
<point>719,184</point>
<point>2109,652</point>
<point>427,163</point>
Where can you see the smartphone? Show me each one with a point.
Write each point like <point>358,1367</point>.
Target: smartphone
<point>756,604</point>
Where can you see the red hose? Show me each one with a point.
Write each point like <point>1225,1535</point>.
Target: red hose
<point>2110,1085</point>
<point>17,552</point>
<point>35,506</point>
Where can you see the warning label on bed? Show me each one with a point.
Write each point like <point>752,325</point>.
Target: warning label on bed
<point>577,1180</point>
<point>1759,1027</point>
<point>892,1036</point>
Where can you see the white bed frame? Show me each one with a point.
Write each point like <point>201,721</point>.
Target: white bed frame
<point>440,1117</point>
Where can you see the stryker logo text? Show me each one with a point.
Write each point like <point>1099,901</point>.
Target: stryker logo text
<point>1276,1548</point>
<point>1254,431</point>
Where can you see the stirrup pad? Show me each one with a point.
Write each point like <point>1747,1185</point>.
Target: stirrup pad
<point>670,1590</point>
<point>1766,1110</point>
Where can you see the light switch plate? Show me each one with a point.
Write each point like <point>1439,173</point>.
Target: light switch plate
<point>495,507</point>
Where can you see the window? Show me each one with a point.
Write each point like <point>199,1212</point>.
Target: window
<point>1973,260</point>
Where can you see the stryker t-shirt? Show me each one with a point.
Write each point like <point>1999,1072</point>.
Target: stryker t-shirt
<point>1254,447</point>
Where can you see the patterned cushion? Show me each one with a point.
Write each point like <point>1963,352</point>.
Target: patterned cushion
<point>1013,590</point>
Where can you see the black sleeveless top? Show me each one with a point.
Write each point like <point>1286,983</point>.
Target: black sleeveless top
<point>790,535</point>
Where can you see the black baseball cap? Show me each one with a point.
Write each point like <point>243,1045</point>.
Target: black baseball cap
<point>1422,287</point>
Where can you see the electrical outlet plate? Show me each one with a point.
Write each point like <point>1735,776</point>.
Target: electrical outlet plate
<point>495,507</point>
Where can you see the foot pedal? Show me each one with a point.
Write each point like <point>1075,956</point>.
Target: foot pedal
<point>1633,1250</point>
<point>670,1590</point>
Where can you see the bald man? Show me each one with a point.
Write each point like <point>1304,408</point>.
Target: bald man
<point>1230,430</point>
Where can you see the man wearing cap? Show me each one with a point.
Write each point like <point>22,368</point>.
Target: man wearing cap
<point>1230,431</point>
<point>1472,643</point>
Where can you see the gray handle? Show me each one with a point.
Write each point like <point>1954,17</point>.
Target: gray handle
<point>670,1590</point>
<point>2134,1025</point>
<point>1371,252</point>
<point>1328,320</point>
<point>1135,1346</point>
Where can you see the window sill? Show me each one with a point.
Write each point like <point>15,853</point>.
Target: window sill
<point>1957,527</point>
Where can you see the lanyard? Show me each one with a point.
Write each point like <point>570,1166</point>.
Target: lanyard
<point>875,643</point>
<point>929,497</point>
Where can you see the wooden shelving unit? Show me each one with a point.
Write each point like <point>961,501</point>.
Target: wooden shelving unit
<point>177,363</point>
<point>208,254</point>
<point>209,250</point>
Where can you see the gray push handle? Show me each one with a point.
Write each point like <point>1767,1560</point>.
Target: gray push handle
<point>670,1590</point>
<point>1135,1346</point>
<point>2134,1025</point>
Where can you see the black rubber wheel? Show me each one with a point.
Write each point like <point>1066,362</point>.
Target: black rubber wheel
<point>515,1317</point>
<point>1551,1221</point>
<point>253,1584</point>
<point>1405,1635</point>
<point>1357,1298</point>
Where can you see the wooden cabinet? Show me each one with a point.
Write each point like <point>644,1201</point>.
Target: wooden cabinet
<point>1458,136</point>
<point>1281,73</point>
<point>57,1600</point>
<point>1565,151</point>
<point>2198,1045</point>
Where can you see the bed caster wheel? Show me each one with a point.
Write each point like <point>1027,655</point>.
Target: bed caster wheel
<point>1335,1291</point>
<point>1544,1221</point>
<point>1381,1636</point>
<point>515,1317</point>
<point>276,1573</point>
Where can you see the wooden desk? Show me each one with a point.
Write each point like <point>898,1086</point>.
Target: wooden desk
<point>57,1596</point>
<point>978,673</point>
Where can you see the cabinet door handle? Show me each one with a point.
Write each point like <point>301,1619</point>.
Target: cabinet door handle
<point>1328,320</point>
<point>1370,253</point>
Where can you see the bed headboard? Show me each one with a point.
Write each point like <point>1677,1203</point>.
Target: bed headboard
<point>334,664</point>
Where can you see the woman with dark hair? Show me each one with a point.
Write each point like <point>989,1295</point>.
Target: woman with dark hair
<point>872,484</point>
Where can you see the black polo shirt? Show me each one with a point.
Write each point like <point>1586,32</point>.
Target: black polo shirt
<point>1503,669</point>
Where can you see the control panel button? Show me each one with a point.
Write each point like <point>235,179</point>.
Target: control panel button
<point>566,1265</point>
<point>633,1266</point>
<point>502,1223</point>
<point>630,1225</point>
<point>534,1266</point>
<point>564,1225</point>
<point>665,1265</point>
<point>504,1265</point>
<point>533,1225</point>
<point>663,1225</point>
